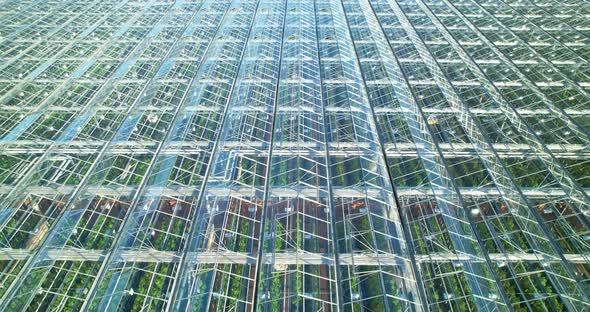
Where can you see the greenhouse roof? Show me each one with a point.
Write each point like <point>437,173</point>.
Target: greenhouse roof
<point>295,155</point>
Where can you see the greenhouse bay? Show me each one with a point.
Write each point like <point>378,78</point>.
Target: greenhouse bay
<point>295,155</point>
